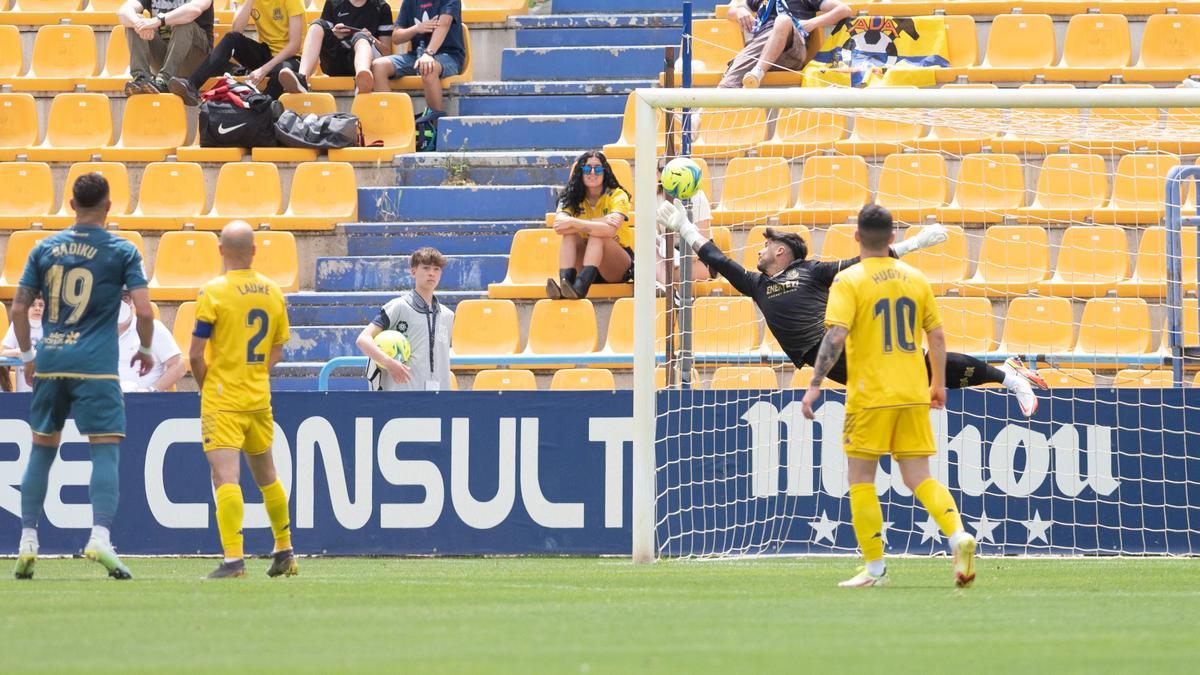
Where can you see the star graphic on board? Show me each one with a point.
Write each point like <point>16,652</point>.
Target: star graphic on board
<point>1038,528</point>
<point>824,529</point>
<point>983,528</point>
<point>930,530</point>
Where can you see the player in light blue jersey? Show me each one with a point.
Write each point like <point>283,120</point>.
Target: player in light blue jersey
<point>79,273</point>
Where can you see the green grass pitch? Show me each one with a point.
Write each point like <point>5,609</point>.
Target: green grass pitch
<point>604,616</point>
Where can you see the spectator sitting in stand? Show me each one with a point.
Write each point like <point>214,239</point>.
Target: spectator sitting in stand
<point>9,348</point>
<point>347,39</point>
<point>780,30</point>
<point>433,29</point>
<point>593,219</point>
<point>168,363</point>
<point>175,39</point>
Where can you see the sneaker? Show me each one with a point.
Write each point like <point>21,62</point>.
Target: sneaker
<point>159,85</point>
<point>184,89</point>
<point>864,579</point>
<point>552,290</point>
<point>284,564</point>
<point>1026,372</point>
<point>292,82</point>
<point>752,79</point>
<point>364,82</point>
<point>106,556</point>
<point>26,558</point>
<point>138,85</point>
<point>964,561</point>
<point>1026,399</point>
<point>228,570</point>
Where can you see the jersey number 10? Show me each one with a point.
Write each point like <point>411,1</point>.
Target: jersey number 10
<point>905,313</point>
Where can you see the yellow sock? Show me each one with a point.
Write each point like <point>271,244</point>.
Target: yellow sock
<point>938,501</point>
<point>275,499</point>
<point>867,517</point>
<point>230,507</point>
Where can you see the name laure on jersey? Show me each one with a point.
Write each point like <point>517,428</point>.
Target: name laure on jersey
<point>74,249</point>
<point>254,287</point>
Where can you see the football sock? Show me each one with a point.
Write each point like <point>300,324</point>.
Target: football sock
<point>100,535</point>
<point>34,482</point>
<point>876,567</point>
<point>567,276</point>
<point>230,507</point>
<point>867,516</point>
<point>938,501</point>
<point>587,276</point>
<point>103,490</point>
<point>29,534</point>
<point>275,499</point>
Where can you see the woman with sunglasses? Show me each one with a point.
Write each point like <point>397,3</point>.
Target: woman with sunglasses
<point>701,217</point>
<point>593,219</point>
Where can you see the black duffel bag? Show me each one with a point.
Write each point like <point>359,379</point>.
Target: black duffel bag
<point>318,132</point>
<point>227,125</point>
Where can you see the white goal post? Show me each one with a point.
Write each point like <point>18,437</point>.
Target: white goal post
<point>647,544</point>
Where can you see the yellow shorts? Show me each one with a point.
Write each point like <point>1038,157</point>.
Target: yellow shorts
<point>903,432</point>
<point>252,432</point>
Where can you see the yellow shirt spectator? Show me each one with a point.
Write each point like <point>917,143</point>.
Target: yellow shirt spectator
<point>271,21</point>
<point>612,201</point>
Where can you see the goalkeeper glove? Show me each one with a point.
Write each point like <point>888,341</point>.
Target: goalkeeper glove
<point>671,218</point>
<point>930,235</point>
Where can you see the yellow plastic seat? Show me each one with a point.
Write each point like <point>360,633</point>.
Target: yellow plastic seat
<point>63,56</point>
<point>912,186</point>
<point>876,137</point>
<point>801,132</point>
<point>1012,260</point>
<point>619,336</point>
<point>944,265</point>
<point>1068,378</point>
<point>1020,46</point>
<point>323,194</point>
<point>12,57</point>
<point>532,260</point>
<point>583,379</point>
<point>1069,188</point>
<point>181,329</point>
<point>486,327</point>
<point>562,327</point>
<point>1040,131</point>
<point>184,262</point>
<point>1191,326</point>
<point>28,194</point>
<point>1114,326</point>
<point>1038,326</point>
<point>1092,260</point>
<point>623,147</point>
<point>276,257</point>
<point>171,194</point>
<point>3,319</point>
<point>756,190</point>
<point>989,187</point>
<point>1139,184</point>
<point>968,324</point>
<point>832,189</point>
<point>118,188</point>
<point>246,191</point>
<point>744,377</point>
<point>387,126</point>
<point>728,132</point>
<point>153,127</point>
<point>716,42</point>
<point>99,13</point>
<point>1170,51</point>
<point>962,47</point>
<point>115,73</point>
<point>1113,131</point>
<point>839,243</point>
<point>1179,134</point>
<point>756,238</point>
<point>1096,48</point>
<point>492,11</point>
<point>16,254</point>
<point>18,125</point>
<point>1149,278</point>
<point>802,377</point>
<point>78,126</point>
<point>1136,378</point>
<point>38,12</point>
<point>724,325</point>
<point>660,379</point>
<point>963,130</point>
<point>505,380</point>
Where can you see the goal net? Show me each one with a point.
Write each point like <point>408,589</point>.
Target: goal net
<point>1063,250</point>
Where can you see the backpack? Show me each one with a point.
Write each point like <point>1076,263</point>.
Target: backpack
<point>427,124</point>
<point>318,132</point>
<point>228,125</point>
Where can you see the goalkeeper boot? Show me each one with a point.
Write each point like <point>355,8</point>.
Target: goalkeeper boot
<point>284,564</point>
<point>864,579</point>
<point>1018,366</point>
<point>103,553</point>
<point>229,570</point>
<point>964,560</point>
<point>26,559</point>
<point>1022,387</point>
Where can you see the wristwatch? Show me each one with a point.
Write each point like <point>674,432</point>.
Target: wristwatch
<point>162,18</point>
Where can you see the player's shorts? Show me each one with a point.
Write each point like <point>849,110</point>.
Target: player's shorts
<point>251,432</point>
<point>903,432</point>
<point>97,405</point>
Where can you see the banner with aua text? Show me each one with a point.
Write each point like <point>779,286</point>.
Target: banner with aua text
<point>549,473</point>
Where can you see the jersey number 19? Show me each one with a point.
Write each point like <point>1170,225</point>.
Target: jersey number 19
<point>72,288</point>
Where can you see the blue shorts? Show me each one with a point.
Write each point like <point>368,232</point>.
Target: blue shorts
<point>406,65</point>
<point>97,405</point>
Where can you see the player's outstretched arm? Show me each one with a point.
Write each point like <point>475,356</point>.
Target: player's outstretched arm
<point>937,368</point>
<point>671,218</point>
<point>831,349</point>
<point>930,235</point>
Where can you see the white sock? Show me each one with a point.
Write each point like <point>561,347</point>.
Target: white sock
<point>876,567</point>
<point>757,72</point>
<point>232,560</point>
<point>29,534</point>
<point>957,537</point>
<point>100,535</point>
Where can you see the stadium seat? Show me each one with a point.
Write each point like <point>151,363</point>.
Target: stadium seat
<point>28,194</point>
<point>153,127</point>
<point>1139,184</point>
<point>619,336</point>
<point>1096,48</point>
<point>1191,326</point>
<point>171,194</point>
<point>1068,378</point>
<point>1149,278</point>
<point>486,327</point>
<point>623,147</point>
<point>12,57</point>
<point>312,103</point>
<point>730,132</point>
<point>876,137</point>
<point>276,258</point>
<point>1179,135</point>
<point>716,42</point>
<point>744,377</point>
<point>1012,260</point>
<point>660,379</point>
<point>492,11</point>
<point>802,377</point>
<point>1092,260</point>
<point>832,189</point>
<point>505,380</point>
<point>78,126</point>
<point>723,325</point>
<point>801,132</point>
<point>562,327</point>
<point>1114,326</point>
<point>912,186</point>
<point>1136,378</point>
<point>16,254</point>
<point>136,239</point>
<point>532,260</point>
<point>1040,131</point>
<point>184,262</point>
<point>115,73</point>
<point>583,379</point>
<point>962,130</point>
<point>839,243</point>
<point>1113,131</point>
<point>246,191</point>
<point>1170,51</point>
<point>756,190</point>
<point>3,319</point>
<point>38,12</point>
<point>323,194</point>
<point>181,330</point>
<point>1020,46</point>
<point>18,124</point>
<point>388,128</point>
<point>118,185</point>
<point>1069,188</point>
<point>624,174</point>
<point>328,83</point>
<point>63,56</point>
<point>945,264</point>
<point>968,324</point>
<point>99,13</point>
<point>722,238</point>
<point>962,47</point>
<point>988,188</point>
<point>1038,326</point>
<point>755,240</point>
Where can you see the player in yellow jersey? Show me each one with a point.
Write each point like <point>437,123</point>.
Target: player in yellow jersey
<point>877,311</point>
<point>241,319</point>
